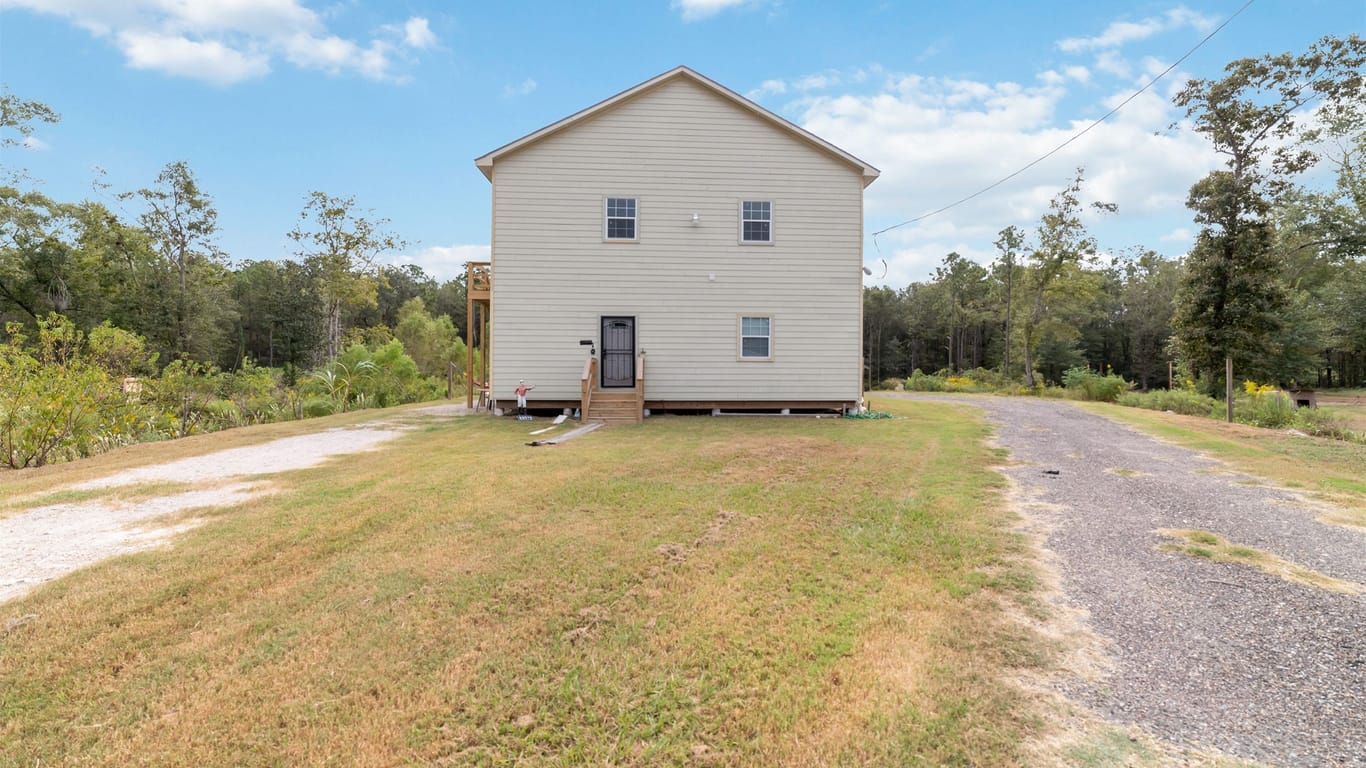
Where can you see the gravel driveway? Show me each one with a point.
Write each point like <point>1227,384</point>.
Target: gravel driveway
<point>44,543</point>
<point>1205,654</point>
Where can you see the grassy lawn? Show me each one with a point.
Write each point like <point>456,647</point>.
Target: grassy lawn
<point>1332,470</point>
<point>690,591</point>
<point>1352,416</point>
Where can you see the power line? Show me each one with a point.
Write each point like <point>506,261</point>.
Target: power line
<point>1075,136</point>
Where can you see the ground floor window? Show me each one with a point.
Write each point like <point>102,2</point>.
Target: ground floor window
<point>756,337</point>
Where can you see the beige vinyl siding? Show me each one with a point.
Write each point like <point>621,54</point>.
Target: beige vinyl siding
<point>678,149</point>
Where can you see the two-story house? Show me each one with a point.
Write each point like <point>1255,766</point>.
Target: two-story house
<point>710,251</point>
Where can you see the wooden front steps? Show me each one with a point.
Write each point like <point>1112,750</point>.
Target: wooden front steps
<point>614,407</point>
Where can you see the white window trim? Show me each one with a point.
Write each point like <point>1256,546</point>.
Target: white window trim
<point>740,338</point>
<point>636,219</point>
<point>740,217</point>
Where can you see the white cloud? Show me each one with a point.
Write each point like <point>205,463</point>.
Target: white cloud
<point>1181,235</point>
<point>335,55</point>
<point>1120,32</point>
<point>1111,63</point>
<point>252,17</point>
<point>819,81</point>
<point>937,140</point>
<point>418,34</point>
<point>768,88</point>
<point>696,10</point>
<point>228,41</point>
<point>34,143</point>
<point>1078,73</point>
<point>524,88</point>
<point>202,60</point>
<point>444,262</point>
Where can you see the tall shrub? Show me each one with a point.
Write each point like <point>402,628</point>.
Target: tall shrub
<point>51,396</point>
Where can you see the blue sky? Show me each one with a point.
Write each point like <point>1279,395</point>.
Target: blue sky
<point>391,101</point>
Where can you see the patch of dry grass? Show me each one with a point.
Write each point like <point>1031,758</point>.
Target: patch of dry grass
<point>1330,470</point>
<point>117,495</point>
<point>1352,415</point>
<point>686,591</point>
<point>1210,546</point>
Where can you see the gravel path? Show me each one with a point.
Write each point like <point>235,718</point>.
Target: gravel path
<point>52,541</point>
<point>1205,654</point>
<point>45,543</point>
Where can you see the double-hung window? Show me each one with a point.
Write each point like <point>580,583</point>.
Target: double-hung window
<point>620,221</point>
<point>756,337</point>
<point>756,221</point>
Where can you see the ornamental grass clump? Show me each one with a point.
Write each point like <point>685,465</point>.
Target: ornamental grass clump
<point>1183,401</point>
<point>924,382</point>
<point>1085,384</point>
<point>1262,405</point>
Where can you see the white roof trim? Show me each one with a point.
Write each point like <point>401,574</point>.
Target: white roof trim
<point>485,162</point>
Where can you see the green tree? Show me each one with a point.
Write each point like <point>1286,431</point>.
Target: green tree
<point>1232,300</point>
<point>432,342</point>
<point>113,275</point>
<point>35,254</point>
<point>450,301</point>
<point>966,282</point>
<point>342,248</point>
<point>1005,273</point>
<point>182,225</point>
<point>1321,238</point>
<point>883,324</point>
<point>281,317</point>
<point>921,329</point>
<point>401,284</point>
<point>1056,281</point>
<point>17,116</point>
<point>1148,298</point>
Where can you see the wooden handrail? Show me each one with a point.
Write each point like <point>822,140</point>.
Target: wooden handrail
<point>590,367</point>
<point>640,387</point>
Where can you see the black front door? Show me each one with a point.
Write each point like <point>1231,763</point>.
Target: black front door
<point>618,352</point>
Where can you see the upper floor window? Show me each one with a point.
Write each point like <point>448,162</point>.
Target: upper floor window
<point>621,218</point>
<point>756,221</point>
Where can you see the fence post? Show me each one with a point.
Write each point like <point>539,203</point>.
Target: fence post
<point>1228,387</point>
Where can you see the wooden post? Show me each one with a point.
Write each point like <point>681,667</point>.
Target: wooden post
<point>450,380</point>
<point>469,337</point>
<point>1169,375</point>
<point>485,329</point>
<point>1228,387</point>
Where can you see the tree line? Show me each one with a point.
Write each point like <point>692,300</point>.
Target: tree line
<point>123,321</point>
<point>1276,279</point>
<point>159,273</point>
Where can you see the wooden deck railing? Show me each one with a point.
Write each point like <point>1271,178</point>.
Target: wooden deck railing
<point>478,278</point>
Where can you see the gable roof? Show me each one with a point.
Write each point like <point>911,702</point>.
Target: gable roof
<point>485,162</point>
